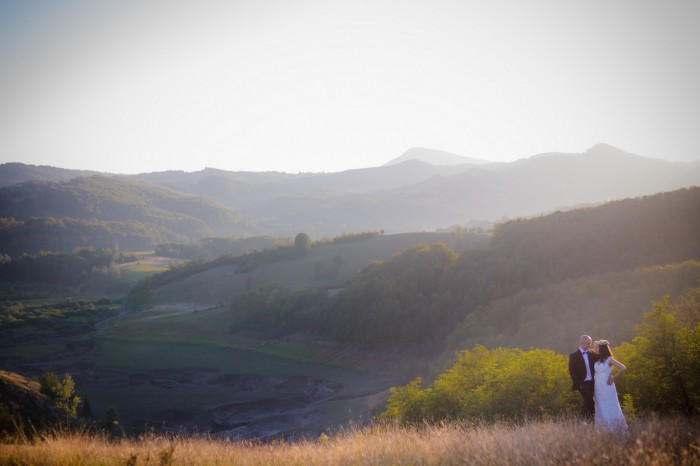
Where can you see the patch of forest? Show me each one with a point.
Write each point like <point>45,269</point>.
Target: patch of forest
<point>84,268</point>
<point>67,319</point>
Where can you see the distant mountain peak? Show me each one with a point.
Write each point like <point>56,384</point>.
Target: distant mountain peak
<point>602,148</point>
<point>434,157</point>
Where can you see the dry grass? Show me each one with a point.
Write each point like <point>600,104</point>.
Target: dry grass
<point>649,442</point>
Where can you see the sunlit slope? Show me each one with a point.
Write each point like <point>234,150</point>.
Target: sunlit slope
<point>325,266</point>
<point>606,305</point>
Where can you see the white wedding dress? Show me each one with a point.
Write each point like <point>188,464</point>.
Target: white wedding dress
<point>608,414</point>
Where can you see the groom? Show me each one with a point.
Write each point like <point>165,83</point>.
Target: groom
<point>581,371</point>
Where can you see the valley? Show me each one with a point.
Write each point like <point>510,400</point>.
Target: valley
<point>174,370</point>
<point>257,336</point>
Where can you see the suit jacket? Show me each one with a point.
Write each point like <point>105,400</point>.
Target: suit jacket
<point>577,367</point>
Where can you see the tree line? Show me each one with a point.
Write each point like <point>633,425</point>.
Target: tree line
<point>88,268</point>
<point>64,235</point>
<point>211,248</point>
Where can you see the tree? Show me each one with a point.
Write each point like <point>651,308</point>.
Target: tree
<point>302,243</point>
<point>61,392</point>
<point>664,357</point>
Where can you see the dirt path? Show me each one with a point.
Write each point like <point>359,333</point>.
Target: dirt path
<point>173,309</point>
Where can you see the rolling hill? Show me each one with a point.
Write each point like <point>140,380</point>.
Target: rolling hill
<point>413,195</point>
<point>258,194</point>
<point>425,303</point>
<point>24,409</point>
<point>326,266</point>
<point>171,213</point>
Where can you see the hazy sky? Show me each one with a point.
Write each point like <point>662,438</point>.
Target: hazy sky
<point>134,86</point>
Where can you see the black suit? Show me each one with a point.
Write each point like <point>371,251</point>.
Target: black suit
<point>577,371</point>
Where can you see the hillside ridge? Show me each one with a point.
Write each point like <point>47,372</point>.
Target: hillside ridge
<point>397,198</point>
<point>23,406</point>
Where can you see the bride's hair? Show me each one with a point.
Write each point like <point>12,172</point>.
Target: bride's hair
<point>604,351</point>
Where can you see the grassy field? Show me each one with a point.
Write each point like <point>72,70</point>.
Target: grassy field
<point>657,442</point>
<point>149,264</point>
<point>185,323</point>
<point>325,266</point>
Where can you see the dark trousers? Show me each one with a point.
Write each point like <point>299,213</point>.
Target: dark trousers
<point>588,408</point>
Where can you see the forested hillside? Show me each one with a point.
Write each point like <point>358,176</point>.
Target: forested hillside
<point>98,209</point>
<point>419,296</point>
<point>13,173</point>
<point>608,303</point>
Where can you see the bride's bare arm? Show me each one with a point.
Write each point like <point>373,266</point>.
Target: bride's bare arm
<point>620,369</point>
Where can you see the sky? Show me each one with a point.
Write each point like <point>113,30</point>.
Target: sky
<point>324,86</point>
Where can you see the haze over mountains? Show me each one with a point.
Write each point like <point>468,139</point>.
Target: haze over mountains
<point>420,190</point>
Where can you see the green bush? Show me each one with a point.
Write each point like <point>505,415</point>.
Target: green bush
<point>483,383</point>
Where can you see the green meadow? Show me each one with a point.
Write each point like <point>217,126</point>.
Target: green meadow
<point>327,265</point>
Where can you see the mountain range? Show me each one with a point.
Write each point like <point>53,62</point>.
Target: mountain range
<point>422,190</point>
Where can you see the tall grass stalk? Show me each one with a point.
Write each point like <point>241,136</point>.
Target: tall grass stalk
<point>650,441</point>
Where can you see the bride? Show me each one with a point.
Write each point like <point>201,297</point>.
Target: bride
<point>608,414</point>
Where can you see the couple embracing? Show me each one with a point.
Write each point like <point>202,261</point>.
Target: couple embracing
<point>591,373</point>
